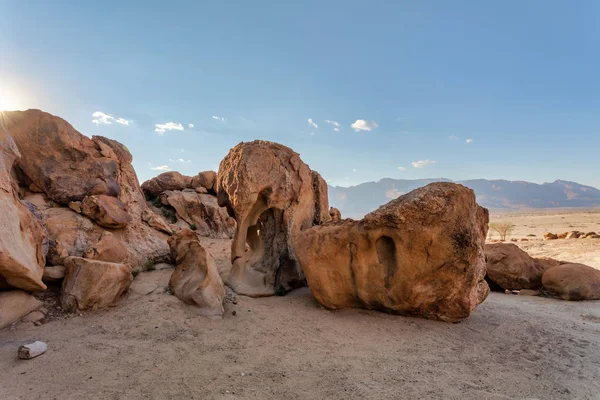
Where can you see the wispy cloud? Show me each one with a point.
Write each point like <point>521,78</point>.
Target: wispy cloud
<point>161,168</point>
<point>102,118</point>
<point>312,123</point>
<point>180,160</point>
<point>469,140</point>
<point>362,125</point>
<point>123,121</point>
<point>453,137</point>
<point>190,126</point>
<point>336,125</point>
<point>422,163</point>
<point>218,118</point>
<point>169,126</point>
<point>401,169</point>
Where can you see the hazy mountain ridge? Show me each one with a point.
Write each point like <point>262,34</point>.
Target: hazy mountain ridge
<point>355,201</point>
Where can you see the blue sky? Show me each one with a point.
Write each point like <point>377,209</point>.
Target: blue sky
<point>519,79</point>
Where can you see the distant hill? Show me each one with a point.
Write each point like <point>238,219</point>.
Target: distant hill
<point>356,201</point>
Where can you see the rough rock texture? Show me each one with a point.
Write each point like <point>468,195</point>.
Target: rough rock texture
<point>200,211</point>
<point>205,179</point>
<point>196,280</point>
<point>272,195</point>
<point>14,305</point>
<point>171,180</point>
<point>93,284</point>
<point>106,211</point>
<point>335,214</point>
<point>54,273</point>
<point>573,282</point>
<point>22,232</point>
<point>108,248</point>
<point>58,160</point>
<point>509,267</point>
<point>156,221</point>
<point>421,254</point>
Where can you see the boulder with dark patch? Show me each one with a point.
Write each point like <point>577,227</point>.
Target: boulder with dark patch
<point>573,282</point>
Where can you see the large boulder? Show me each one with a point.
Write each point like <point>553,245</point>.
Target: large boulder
<point>196,280</point>
<point>58,160</point>
<point>108,248</point>
<point>335,214</point>
<point>272,194</point>
<point>205,179</point>
<point>171,180</point>
<point>106,211</point>
<point>93,284</point>
<point>201,212</point>
<point>509,267</point>
<point>22,232</point>
<point>573,282</point>
<point>420,254</point>
<point>15,304</point>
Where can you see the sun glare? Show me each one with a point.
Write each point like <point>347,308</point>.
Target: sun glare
<point>8,101</point>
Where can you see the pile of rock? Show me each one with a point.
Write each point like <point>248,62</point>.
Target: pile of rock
<point>189,202</point>
<point>71,210</point>
<point>571,235</point>
<point>510,268</point>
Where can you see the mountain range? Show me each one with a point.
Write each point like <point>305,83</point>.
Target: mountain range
<point>356,201</point>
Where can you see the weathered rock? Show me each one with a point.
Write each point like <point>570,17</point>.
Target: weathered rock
<point>205,179</point>
<point>58,160</point>
<point>201,212</point>
<point>93,284</point>
<point>108,248</point>
<point>34,316</point>
<point>421,254</point>
<point>269,191</point>
<point>106,211</point>
<point>171,180</point>
<point>22,231</point>
<point>509,267</point>
<point>32,350</point>
<point>54,273</point>
<point>196,280</point>
<point>561,236</point>
<point>573,282</point>
<point>156,221</point>
<point>321,199</point>
<point>335,214</point>
<point>573,235</point>
<point>14,305</point>
<point>75,206</point>
<point>550,236</point>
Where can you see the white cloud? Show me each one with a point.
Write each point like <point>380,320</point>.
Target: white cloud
<point>180,160</point>
<point>336,124</point>
<point>169,126</point>
<point>218,118</point>
<point>453,137</point>
<point>362,125</point>
<point>312,123</point>
<point>190,126</point>
<point>422,163</point>
<point>161,168</point>
<point>123,121</point>
<point>101,118</point>
<point>469,140</point>
<point>401,169</point>
<point>353,169</point>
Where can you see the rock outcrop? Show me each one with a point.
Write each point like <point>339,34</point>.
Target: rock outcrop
<point>93,284</point>
<point>421,254</point>
<point>106,211</point>
<point>196,280</point>
<point>335,214</point>
<point>22,232</point>
<point>171,180</point>
<point>510,268</point>
<point>573,282</point>
<point>14,305</point>
<point>273,195</point>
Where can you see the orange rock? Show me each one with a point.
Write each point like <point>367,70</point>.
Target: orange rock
<point>550,236</point>
<point>171,180</point>
<point>573,282</point>
<point>205,179</point>
<point>106,211</point>
<point>335,214</point>
<point>196,280</point>
<point>15,304</point>
<point>273,195</point>
<point>109,249</point>
<point>93,284</point>
<point>420,254</point>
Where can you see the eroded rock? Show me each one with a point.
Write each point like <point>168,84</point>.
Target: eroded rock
<point>15,304</point>
<point>573,282</point>
<point>196,280</point>
<point>108,248</point>
<point>335,214</point>
<point>421,254</point>
<point>171,180</point>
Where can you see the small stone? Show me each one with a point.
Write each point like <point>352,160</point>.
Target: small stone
<point>233,312</point>
<point>34,316</point>
<point>32,350</point>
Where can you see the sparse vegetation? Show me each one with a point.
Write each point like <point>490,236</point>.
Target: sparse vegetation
<point>156,202</point>
<point>503,229</point>
<point>531,235</point>
<point>193,227</point>
<point>149,266</point>
<point>280,291</point>
<point>170,215</point>
<point>135,272</point>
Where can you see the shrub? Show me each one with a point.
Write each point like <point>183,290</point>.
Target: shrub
<point>503,229</point>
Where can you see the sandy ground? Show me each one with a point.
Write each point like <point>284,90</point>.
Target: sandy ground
<point>586,251</point>
<point>152,346</point>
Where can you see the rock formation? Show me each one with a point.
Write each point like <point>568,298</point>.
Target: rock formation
<point>106,211</point>
<point>510,268</point>
<point>273,195</point>
<point>14,304</point>
<point>573,282</point>
<point>93,284</point>
<point>335,214</point>
<point>196,280</point>
<point>420,254</point>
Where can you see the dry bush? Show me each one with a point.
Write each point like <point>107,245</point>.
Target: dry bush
<point>503,229</point>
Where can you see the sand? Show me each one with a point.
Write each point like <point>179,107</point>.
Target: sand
<point>152,346</point>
